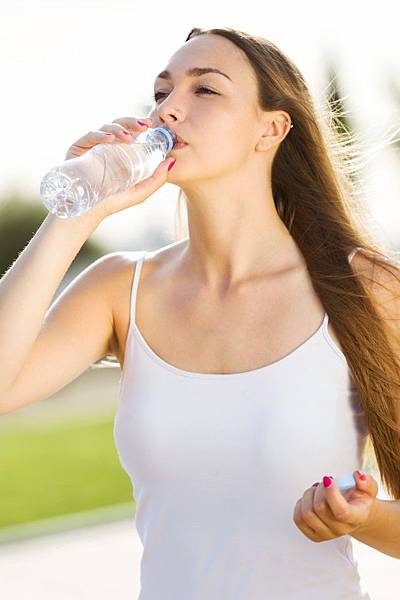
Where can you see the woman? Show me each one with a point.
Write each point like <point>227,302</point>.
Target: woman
<point>255,359</point>
<point>220,431</point>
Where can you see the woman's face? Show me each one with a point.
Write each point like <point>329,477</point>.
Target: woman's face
<point>216,115</point>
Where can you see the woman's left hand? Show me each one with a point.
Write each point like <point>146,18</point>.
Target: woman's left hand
<point>324,513</point>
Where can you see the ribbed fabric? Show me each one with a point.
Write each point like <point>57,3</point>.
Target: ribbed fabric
<point>218,462</point>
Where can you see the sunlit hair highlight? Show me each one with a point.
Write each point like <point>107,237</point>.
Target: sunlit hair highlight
<point>317,190</point>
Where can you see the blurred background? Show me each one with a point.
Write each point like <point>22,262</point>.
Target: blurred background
<point>68,67</point>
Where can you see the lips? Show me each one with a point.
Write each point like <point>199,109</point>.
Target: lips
<point>181,140</point>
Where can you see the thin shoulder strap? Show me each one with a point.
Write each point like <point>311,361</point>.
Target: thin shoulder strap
<point>349,257</point>
<point>352,253</point>
<point>135,285</point>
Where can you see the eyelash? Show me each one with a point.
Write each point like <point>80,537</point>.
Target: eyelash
<point>156,95</point>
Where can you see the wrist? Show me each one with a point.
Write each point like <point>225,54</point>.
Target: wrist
<point>84,224</point>
<point>368,523</point>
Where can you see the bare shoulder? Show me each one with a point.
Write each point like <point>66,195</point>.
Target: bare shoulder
<point>122,267</point>
<point>381,279</point>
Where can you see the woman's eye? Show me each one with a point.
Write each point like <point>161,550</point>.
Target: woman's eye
<point>202,90</point>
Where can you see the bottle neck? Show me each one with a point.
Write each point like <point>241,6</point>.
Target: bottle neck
<point>163,136</point>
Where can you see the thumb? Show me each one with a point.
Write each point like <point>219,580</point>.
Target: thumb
<point>161,172</point>
<point>164,167</point>
<point>366,483</point>
<point>150,184</point>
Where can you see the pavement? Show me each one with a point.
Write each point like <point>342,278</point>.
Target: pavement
<point>102,561</point>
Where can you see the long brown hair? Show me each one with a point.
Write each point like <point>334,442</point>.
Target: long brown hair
<point>316,193</point>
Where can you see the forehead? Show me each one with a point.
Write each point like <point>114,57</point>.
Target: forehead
<point>207,51</point>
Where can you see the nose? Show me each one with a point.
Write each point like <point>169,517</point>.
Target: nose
<point>168,112</point>
<point>159,118</point>
<point>168,117</point>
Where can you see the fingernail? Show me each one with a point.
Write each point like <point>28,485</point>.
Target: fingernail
<point>362,475</point>
<point>142,123</point>
<point>127,132</point>
<point>315,484</point>
<point>327,481</point>
<point>171,164</point>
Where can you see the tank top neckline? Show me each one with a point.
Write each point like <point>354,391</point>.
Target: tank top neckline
<point>258,371</point>
<point>322,329</point>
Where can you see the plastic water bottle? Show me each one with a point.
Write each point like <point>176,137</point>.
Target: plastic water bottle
<point>82,182</point>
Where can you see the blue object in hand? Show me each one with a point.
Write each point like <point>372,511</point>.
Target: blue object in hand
<point>345,482</point>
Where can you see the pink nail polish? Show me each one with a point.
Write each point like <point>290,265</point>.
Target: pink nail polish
<point>316,484</point>
<point>362,475</point>
<point>142,123</point>
<point>171,164</point>
<point>327,481</point>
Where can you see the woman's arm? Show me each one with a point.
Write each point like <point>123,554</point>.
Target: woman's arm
<point>382,530</point>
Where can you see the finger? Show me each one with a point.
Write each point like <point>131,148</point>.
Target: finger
<point>302,525</point>
<point>132,124</point>
<point>341,509</point>
<point>321,507</point>
<point>87,141</point>
<point>324,512</point>
<point>310,517</point>
<point>366,483</point>
<point>109,132</point>
<point>119,131</point>
<point>122,129</point>
<point>150,184</point>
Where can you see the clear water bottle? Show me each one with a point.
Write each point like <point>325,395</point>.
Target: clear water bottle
<point>82,182</point>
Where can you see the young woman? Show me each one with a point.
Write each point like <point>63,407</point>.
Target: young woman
<point>256,360</point>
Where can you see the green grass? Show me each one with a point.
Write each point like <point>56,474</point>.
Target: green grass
<point>54,470</point>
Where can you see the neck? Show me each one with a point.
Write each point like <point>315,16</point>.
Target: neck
<point>236,239</point>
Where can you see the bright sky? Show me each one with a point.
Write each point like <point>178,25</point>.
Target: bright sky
<point>69,66</point>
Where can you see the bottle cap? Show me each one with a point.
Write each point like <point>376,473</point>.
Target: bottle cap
<point>163,134</point>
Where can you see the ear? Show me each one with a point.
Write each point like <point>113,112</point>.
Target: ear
<point>276,127</point>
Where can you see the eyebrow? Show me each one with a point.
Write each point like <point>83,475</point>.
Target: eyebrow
<point>194,72</point>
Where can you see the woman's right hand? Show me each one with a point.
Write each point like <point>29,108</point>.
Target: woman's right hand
<point>134,194</point>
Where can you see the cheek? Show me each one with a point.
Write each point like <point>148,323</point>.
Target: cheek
<point>212,160</point>
<point>227,151</point>
<point>223,141</point>
<point>232,139</point>
<point>217,149</point>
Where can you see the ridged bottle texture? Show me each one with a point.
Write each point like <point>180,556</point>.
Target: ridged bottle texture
<point>80,183</point>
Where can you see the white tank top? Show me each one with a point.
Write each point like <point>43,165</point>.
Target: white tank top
<point>218,461</point>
